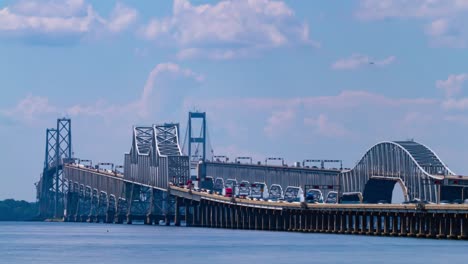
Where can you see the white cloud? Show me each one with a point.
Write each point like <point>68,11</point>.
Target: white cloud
<point>437,27</point>
<point>150,84</point>
<point>121,17</point>
<point>370,9</point>
<point>279,122</point>
<point>445,19</point>
<point>213,54</point>
<point>30,109</point>
<point>356,61</point>
<point>152,96</point>
<point>61,17</point>
<point>227,27</point>
<point>48,8</point>
<point>33,108</point>
<point>325,127</point>
<point>453,85</point>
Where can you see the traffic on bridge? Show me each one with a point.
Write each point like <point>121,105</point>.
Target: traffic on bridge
<point>160,181</point>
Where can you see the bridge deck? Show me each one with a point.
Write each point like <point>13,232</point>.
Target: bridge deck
<point>197,196</point>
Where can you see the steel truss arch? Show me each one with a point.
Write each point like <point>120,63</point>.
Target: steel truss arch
<point>414,165</point>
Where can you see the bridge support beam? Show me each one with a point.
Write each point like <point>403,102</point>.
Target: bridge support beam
<point>177,212</point>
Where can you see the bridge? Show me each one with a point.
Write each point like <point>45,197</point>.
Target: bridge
<point>155,186</point>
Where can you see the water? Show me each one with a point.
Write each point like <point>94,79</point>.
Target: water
<point>35,242</point>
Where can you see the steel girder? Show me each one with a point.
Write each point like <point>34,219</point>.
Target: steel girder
<point>395,161</point>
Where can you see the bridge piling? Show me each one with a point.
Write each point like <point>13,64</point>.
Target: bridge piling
<point>177,212</point>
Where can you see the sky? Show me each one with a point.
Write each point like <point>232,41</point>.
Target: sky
<point>291,79</point>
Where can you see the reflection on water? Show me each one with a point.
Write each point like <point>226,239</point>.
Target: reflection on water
<point>101,243</point>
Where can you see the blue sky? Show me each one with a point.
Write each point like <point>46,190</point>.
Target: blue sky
<point>296,79</point>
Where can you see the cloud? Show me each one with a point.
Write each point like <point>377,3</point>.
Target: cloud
<point>34,108</point>
<point>358,60</point>
<point>445,19</point>
<point>61,18</point>
<point>226,29</point>
<point>278,117</point>
<point>148,89</point>
<point>279,122</point>
<point>30,109</point>
<point>325,127</point>
<point>121,17</point>
<point>453,85</point>
<point>372,10</point>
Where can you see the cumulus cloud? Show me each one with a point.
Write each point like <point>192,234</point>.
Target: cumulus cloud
<point>280,116</point>
<point>228,27</point>
<point>356,61</point>
<point>453,85</point>
<point>325,127</point>
<point>121,17</point>
<point>30,109</point>
<point>52,18</point>
<point>371,10</point>
<point>279,122</point>
<point>445,19</point>
<point>33,108</point>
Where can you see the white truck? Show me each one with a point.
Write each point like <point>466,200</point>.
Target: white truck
<point>259,191</point>
<point>294,194</point>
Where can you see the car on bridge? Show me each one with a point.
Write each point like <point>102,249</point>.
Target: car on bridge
<point>293,194</point>
<point>332,198</point>
<point>259,190</point>
<point>314,196</point>
<point>276,193</point>
<point>231,183</point>
<point>244,189</point>
<point>351,198</point>
<point>207,185</point>
<point>218,185</point>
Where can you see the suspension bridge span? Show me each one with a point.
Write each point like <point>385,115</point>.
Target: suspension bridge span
<point>161,182</point>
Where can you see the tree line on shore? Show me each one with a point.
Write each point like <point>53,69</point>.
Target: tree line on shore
<point>13,210</point>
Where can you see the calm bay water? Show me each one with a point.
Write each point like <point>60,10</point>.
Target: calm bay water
<point>36,242</point>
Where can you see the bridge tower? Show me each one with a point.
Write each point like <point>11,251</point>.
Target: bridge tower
<point>51,186</point>
<point>194,156</point>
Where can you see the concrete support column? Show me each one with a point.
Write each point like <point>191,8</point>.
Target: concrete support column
<point>464,226</point>
<point>442,226</point>
<point>421,226</point>
<point>395,229</point>
<point>251,215</point>
<point>232,216</point>
<point>356,223</point>
<point>187,214</point>
<point>313,221</point>
<point>307,221</point>
<point>195,216</point>
<point>285,216</point>
<point>177,212</point>
<point>431,226</point>
<point>258,219</point>
<point>451,226</point>
<point>212,214</point>
<point>342,217</point>
<point>365,222</point>
<point>335,222</point>
<point>386,226</point>
<point>202,214</point>
<point>370,230</point>
<point>411,223</point>
<point>242,217</point>
<point>403,225</point>
<point>323,221</point>
<point>378,231</point>
<point>215,215</point>
<point>349,222</point>
<point>330,222</point>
